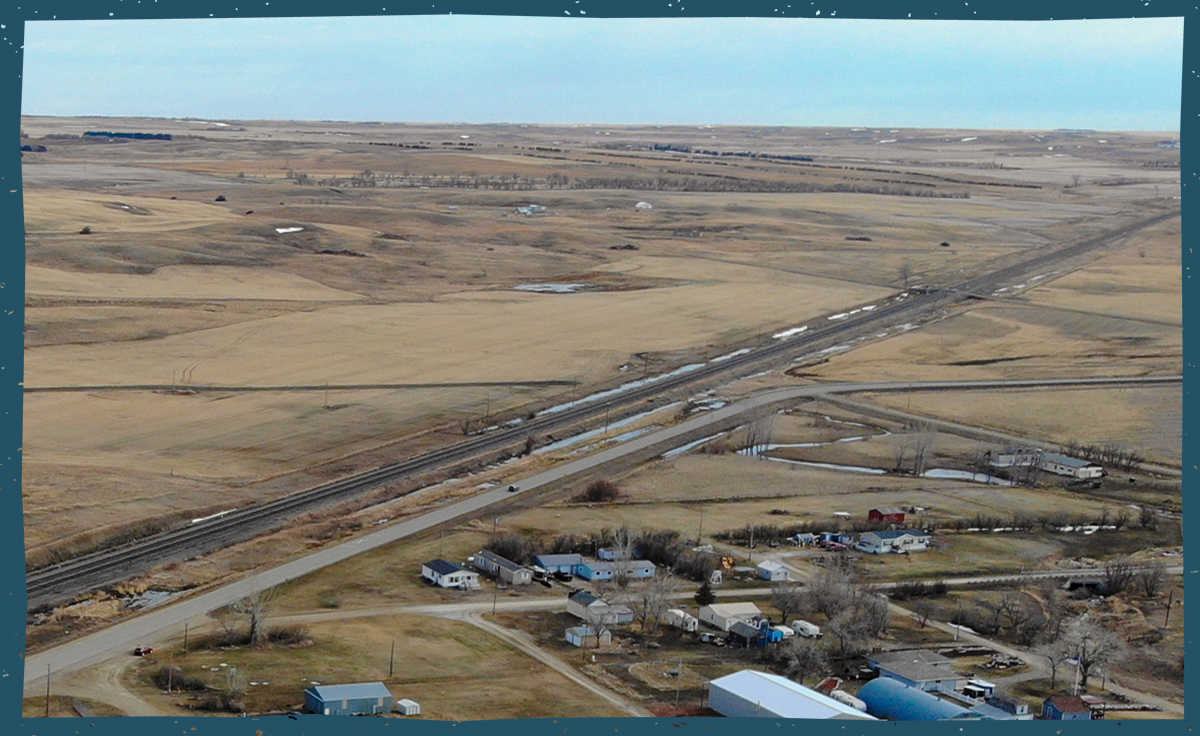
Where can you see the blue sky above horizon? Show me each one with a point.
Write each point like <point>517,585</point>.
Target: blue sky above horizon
<point>1101,74</point>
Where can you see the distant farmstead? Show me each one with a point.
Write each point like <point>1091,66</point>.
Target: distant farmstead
<point>1072,467</point>
<point>898,541</point>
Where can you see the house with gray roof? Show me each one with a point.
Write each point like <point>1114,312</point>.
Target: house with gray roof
<point>502,569</point>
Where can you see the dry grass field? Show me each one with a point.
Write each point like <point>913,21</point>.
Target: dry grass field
<point>186,277</point>
<point>454,670</point>
<point>1148,420</point>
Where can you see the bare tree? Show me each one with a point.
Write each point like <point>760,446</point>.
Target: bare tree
<point>924,609</point>
<point>1092,645</point>
<point>256,608</point>
<point>759,430</point>
<point>850,632</point>
<point>1121,519</point>
<point>1118,575</point>
<point>905,273</point>
<point>1056,653</point>
<point>1147,519</point>
<point>922,446</point>
<point>802,657</point>
<point>788,599</point>
<point>830,591</point>
<point>1151,578</point>
<point>655,598</point>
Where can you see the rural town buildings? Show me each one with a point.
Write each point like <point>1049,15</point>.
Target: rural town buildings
<point>723,615</point>
<point>917,668</point>
<point>502,569</point>
<point>360,698</point>
<point>681,619</point>
<point>1066,708</point>
<point>589,607</point>
<point>750,693</point>
<point>558,563</point>
<point>600,570</point>
<point>589,636</point>
<point>900,540</point>
<point>446,574</point>
<point>895,701</point>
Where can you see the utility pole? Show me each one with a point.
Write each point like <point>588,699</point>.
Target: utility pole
<point>495,593</point>
<point>494,523</point>
<point>678,677</point>
<point>606,409</point>
<point>1170,598</point>
<point>700,531</point>
<point>392,659</point>
<point>752,544</point>
<point>441,540</point>
<point>170,672</point>
<point>185,639</point>
<point>47,689</point>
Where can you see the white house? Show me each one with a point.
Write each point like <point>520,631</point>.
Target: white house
<point>681,619</point>
<point>446,574</point>
<point>773,571</point>
<point>725,615</point>
<point>900,540</point>
<point>1053,462</point>
<point>749,694</point>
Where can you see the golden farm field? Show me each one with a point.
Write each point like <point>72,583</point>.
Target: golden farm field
<point>490,336</point>
<point>69,211</point>
<point>182,282</point>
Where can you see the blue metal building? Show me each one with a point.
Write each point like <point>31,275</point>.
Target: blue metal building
<point>360,698</point>
<point>895,701</point>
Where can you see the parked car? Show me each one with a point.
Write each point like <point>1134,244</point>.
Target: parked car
<point>143,651</point>
<point>566,577</point>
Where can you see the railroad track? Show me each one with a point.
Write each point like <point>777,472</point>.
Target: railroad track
<point>62,581</point>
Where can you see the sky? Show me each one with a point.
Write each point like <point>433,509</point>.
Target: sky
<point>1101,74</point>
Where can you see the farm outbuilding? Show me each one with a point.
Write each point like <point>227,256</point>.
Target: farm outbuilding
<point>1066,708</point>
<point>446,574</point>
<point>1072,467</point>
<point>724,615</point>
<point>589,636</point>
<point>360,698</point>
<point>502,568</point>
<point>558,563</point>
<point>406,707</point>
<point>681,619</point>
<point>886,515</point>
<point>894,701</point>
<point>749,694</point>
<point>601,570</point>
<point>773,571</point>
<point>589,607</point>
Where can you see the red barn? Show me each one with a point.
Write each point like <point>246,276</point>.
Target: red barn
<point>887,514</point>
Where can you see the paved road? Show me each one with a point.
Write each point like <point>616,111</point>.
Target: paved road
<point>170,619</point>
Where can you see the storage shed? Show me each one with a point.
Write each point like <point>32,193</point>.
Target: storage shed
<point>894,701</point>
<point>773,571</point>
<point>751,693</point>
<point>348,700</point>
<point>887,515</point>
<point>408,707</point>
<point>589,636</point>
<point>1066,708</point>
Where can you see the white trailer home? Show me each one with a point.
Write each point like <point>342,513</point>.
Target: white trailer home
<point>681,619</point>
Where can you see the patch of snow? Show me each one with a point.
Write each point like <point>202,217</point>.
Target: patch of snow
<point>282,230</point>
<point>972,138</point>
<point>789,333</point>
<point>550,288</point>
<point>734,354</point>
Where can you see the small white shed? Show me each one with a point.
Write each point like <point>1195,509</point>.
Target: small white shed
<point>408,707</point>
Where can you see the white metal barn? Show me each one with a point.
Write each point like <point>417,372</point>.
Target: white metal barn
<point>725,615</point>
<point>750,694</point>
